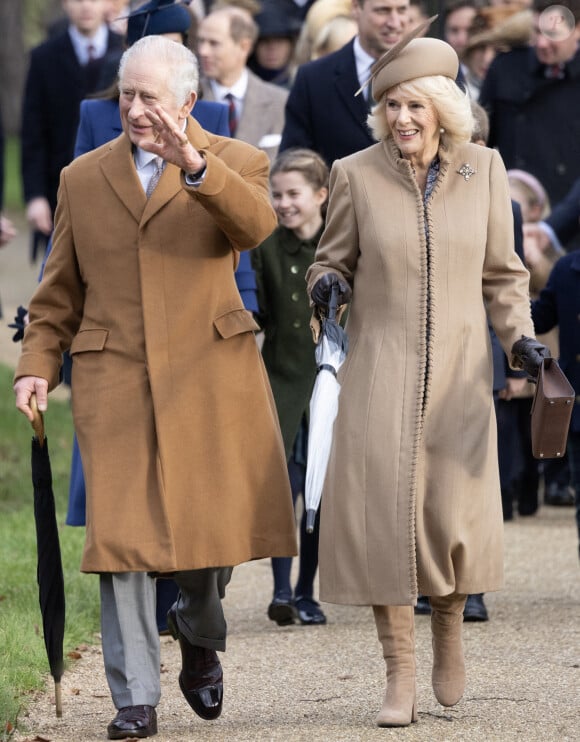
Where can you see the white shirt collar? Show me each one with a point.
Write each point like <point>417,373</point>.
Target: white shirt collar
<point>363,61</point>
<point>143,158</point>
<point>81,43</point>
<point>238,89</point>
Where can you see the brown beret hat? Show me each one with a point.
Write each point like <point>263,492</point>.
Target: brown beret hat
<point>422,57</point>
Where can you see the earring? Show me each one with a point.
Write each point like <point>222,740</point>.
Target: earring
<point>441,130</point>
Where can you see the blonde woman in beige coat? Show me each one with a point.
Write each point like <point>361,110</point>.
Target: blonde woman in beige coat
<point>184,462</point>
<point>419,232</point>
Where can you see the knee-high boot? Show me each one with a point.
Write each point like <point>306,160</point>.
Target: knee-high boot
<point>448,676</point>
<point>396,632</point>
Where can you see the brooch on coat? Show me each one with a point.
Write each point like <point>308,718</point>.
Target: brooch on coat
<point>466,170</point>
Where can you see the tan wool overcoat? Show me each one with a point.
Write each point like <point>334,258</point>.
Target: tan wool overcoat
<point>180,443</point>
<point>411,500</point>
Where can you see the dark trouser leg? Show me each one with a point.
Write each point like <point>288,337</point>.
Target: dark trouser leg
<point>528,481</point>
<point>574,462</point>
<point>557,481</point>
<point>200,615</point>
<point>282,566</point>
<point>308,541</point>
<point>167,592</point>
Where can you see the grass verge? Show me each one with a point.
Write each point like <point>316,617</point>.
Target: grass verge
<point>23,662</point>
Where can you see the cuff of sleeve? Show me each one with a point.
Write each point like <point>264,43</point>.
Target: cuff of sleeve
<point>195,179</point>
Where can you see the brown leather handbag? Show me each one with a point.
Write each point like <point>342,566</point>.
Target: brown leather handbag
<point>551,411</point>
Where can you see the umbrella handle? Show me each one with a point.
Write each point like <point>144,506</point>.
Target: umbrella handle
<point>333,302</point>
<point>38,420</point>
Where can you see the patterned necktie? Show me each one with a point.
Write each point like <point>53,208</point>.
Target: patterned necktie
<point>159,166</point>
<point>232,114</point>
<point>555,72</point>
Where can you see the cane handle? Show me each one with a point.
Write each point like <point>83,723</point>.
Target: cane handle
<point>37,420</point>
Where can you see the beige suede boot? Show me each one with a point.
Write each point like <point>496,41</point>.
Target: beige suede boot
<point>448,676</point>
<point>396,632</point>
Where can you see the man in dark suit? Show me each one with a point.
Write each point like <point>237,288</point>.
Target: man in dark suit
<point>63,70</point>
<point>322,112</point>
<point>532,96</point>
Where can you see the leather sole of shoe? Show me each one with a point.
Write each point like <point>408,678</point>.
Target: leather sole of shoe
<point>139,734</point>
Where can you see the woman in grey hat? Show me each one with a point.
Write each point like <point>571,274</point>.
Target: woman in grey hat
<point>419,239</point>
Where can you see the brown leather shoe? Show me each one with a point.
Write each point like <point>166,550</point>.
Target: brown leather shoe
<point>201,677</point>
<point>133,722</point>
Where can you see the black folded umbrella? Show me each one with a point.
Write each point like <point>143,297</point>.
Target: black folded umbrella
<point>49,570</point>
<point>38,245</point>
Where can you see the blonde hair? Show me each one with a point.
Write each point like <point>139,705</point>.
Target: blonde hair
<point>333,35</point>
<point>450,102</point>
<point>318,15</point>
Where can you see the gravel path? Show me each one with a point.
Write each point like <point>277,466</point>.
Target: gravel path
<point>299,684</point>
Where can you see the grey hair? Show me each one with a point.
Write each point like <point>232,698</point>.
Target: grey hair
<point>180,62</point>
<point>452,105</point>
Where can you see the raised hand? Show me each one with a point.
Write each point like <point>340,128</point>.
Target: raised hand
<point>171,143</point>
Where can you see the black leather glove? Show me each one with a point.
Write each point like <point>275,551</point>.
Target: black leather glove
<point>528,353</point>
<point>320,293</point>
<point>19,324</point>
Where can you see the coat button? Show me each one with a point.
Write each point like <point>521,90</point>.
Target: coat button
<point>560,168</point>
<point>295,296</point>
<point>296,323</point>
<point>294,269</point>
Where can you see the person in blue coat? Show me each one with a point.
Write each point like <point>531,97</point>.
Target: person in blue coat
<point>559,305</point>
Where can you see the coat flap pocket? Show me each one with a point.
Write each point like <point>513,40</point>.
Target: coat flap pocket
<point>86,340</point>
<point>234,322</point>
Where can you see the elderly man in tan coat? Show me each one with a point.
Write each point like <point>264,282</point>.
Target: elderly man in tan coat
<point>184,463</point>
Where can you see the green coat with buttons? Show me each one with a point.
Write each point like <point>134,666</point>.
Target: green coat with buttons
<point>280,263</point>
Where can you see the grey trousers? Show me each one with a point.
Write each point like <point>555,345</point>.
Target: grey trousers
<point>131,651</point>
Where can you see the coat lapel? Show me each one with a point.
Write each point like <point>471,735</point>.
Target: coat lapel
<point>119,170</point>
<point>347,83</point>
<point>255,113</point>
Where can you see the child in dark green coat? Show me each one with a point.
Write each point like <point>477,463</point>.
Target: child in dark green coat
<point>299,191</point>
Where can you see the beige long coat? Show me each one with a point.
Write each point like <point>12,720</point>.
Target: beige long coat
<point>411,500</point>
<point>179,438</point>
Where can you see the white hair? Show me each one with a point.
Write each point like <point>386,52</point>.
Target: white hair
<point>179,61</point>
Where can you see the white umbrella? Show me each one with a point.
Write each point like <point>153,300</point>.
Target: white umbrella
<point>330,353</point>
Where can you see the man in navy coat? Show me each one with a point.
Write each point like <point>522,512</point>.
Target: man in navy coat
<point>532,96</point>
<point>63,70</point>
<point>322,112</point>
